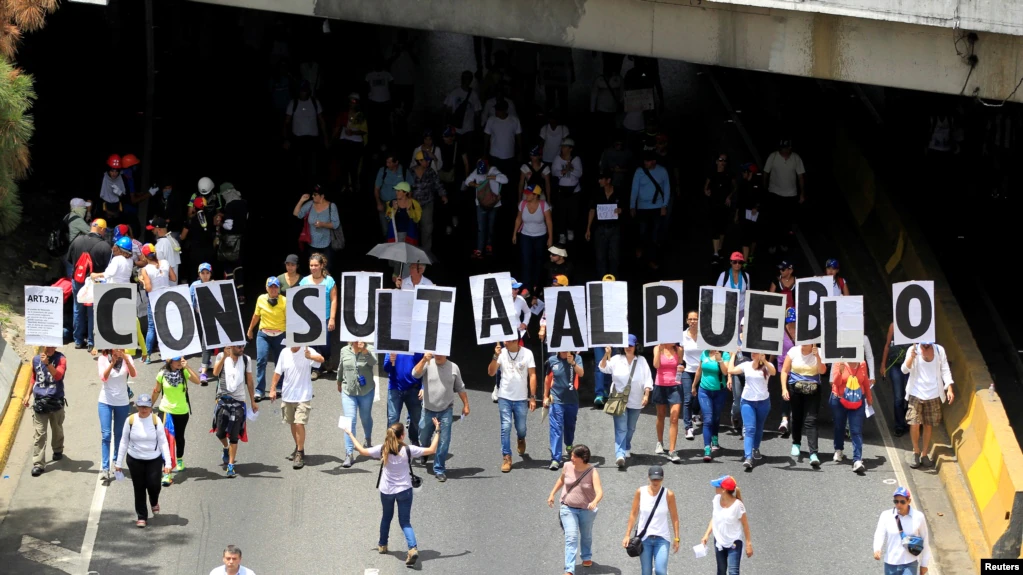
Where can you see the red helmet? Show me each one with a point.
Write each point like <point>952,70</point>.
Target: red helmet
<point>129,160</point>
<point>114,161</point>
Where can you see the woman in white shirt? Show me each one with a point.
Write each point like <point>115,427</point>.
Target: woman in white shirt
<point>114,369</point>
<point>144,446</point>
<point>630,372</point>
<point>535,172</point>
<point>888,541</point>
<point>157,275</point>
<point>729,525</point>
<point>568,168</point>
<point>756,401</point>
<point>652,506</point>
<point>492,178</point>
<point>534,233</point>
<point>691,359</point>
<point>119,269</point>
<point>395,482</point>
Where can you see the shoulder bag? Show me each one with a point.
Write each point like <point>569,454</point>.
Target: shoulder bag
<point>616,404</point>
<point>337,235</point>
<point>659,191</point>
<point>635,546</point>
<point>569,490</point>
<point>417,481</point>
<point>913,543</point>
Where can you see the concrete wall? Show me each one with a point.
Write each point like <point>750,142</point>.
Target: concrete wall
<point>826,46</point>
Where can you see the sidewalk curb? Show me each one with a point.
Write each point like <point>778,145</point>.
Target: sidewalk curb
<point>12,416</point>
<point>966,512</point>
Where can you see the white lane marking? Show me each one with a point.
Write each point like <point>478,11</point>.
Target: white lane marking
<point>48,554</point>
<point>89,542</point>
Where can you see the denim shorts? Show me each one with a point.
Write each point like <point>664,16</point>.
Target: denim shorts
<point>666,394</point>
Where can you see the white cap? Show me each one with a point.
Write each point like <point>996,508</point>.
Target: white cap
<point>79,203</point>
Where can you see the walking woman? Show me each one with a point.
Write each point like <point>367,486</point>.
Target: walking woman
<point>534,233</point>
<point>630,375</point>
<point>322,218</point>
<point>157,275</point>
<point>535,173</point>
<point>290,277</point>
<point>319,275</point>
<point>395,482</point>
<point>355,383</point>
<point>649,510</point>
<point>144,447</point>
<point>729,525</point>
<point>710,377</point>
<point>891,365</point>
<point>115,367</point>
<point>756,402</point>
<point>850,396</point>
<point>787,341</point>
<point>800,385</point>
<point>171,384</point>
<point>581,492</point>
<point>668,395</point>
<point>691,359</point>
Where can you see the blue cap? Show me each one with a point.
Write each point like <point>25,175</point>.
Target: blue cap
<point>832,263</point>
<point>175,358</point>
<point>516,284</point>
<point>535,151</point>
<point>790,315</point>
<point>124,243</point>
<point>632,340</point>
<point>449,131</point>
<point>785,264</point>
<point>144,400</point>
<point>481,167</point>
<point>205,267</point>
<point>428,133</point>
<point>726,482</point>
<point>273,281</point>
<point>901,491</point>
<point>926,343</point>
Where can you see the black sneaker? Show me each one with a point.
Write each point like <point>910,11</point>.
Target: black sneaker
<point>57,456</point>
<point>292,456</point>
<point>80,346</point>
<point>423,460</point>
<point>748,464</point>
<point>37,471</point>
<point>756,454</point>
<point>441,477</point>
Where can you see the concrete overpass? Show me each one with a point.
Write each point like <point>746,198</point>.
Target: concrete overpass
<point>914,44</point>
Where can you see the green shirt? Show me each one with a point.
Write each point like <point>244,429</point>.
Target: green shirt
<point>710,375</point>
<point>175,398</point>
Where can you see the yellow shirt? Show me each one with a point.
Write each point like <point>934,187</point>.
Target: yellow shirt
<point>271,316</point>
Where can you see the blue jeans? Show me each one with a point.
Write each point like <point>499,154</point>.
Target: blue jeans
<point>602,381</point>
<point>754,415</point>
<point>426,435</point>
<point>728,559</point>
<point>363,406</point>
<point>578,525</point>
<point>150,330</point>
<point>711,404</point>
<point>510,409</point>
<point>485,227</point>
<point>654,559</point>
<point>268,348</point>
<point>689,402</point>
<point>404,501</point>
<point>562,418</point>
<point>625,427</point>
<point>110,415</point>
<point>532,250</point>
<point>738,382</point>
<point>410,399</point>
<point>855,418</point>
<point>907,569</point>
<point>898,381</point>
<point>84,319</point>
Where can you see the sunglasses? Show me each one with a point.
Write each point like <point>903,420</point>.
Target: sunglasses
<point>722,159</point>
<point>736,262</point>
<point>900,501</point>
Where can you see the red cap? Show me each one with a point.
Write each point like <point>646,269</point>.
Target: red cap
<point>736,256</point>
<point>199,203</point>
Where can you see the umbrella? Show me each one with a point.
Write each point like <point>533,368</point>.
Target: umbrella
<point>402,252</point>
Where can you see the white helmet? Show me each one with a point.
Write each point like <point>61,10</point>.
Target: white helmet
<point>205,186</point>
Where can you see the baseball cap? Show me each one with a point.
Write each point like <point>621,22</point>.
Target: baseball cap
<point>726,482</point>
<point>785,143</point>
<point>558,251</point>
<point>481,167</point>
<point>536,151</point>
<point>79,203</point>
<point>535,189</point>
<point>291,259</point>
<point>633,340</point>
<point>449,131</point>
<point>560,280</point>
<point>175,358</point>
<point>784,264</point>
<point>901,492</point>
<point>736,257</point>
<point>99,223</point>
<point>516,284</point>
<point>419,156</point>
<point>831,263</point>
<point>655,472</point>
<point>568,142</point>
<point>273,281</point>
<point>403,187</point>
<point>157,222</point>
<point>354,96</point>
<point>144,400</point>
<point>120,230</point>
<point>205,267</point>
<point>608,278</point>
<point>750,167</point>
<point>148,249</point>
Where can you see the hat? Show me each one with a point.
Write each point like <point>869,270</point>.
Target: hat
<point>205,267</point>
<point>175,358</point>
<point>449,131</point>
<point>226,186</point>
<point>481,167</point>
<point>354,96</point>
<point>99,223</point>
<point>736,256</point>
<point>901,492</point>
<point>655,472</point>
<point>291,259</point>
<point>536,151</point>
<point>79,203</point>
<point>784,264</point>
<point>605,176</point>
<point>516,284</point>
<point>120,230</point>
<point>749,167</point>
<point>831,263</point>
<point>785,143</point>
<point>273,281</point>
<point>568,142</point>
<point>790,315</point>
<point>926,343</point>
<point>535,189</point>
<point>157,222</point>
<point>560,281</point>
<point>633,340</point>
<point>419,156</point>
<point>199,203</point>
<point>726,482</point>
<point>558,251</point>
<point>144,400</point>
<point>148,250</point>
<point>428,133</point>
<point>608,278</point>
<point>403,187</point>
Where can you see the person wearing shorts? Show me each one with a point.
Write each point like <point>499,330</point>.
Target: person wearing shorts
<point>295,367</point>
<point>667,396</point>
<point>234,390</point>
<point>928,386</point>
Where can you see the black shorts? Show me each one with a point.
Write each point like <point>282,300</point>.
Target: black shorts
<point>666,394</point>
<point>232,430</point>
<point>718,218</point>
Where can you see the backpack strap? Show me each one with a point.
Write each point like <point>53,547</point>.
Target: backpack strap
<point>651,516</point>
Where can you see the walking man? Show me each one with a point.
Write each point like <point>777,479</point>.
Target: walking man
<point>517,369</point>
<point>442,381</point>
<point>295,367</point>
<point>235,388</point>
<point>232,563</point>
<point>930,382</point>
<point>404,389</point>
<point>48,370</point>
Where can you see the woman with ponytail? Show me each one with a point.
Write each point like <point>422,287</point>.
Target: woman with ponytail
<point>729,525</point>
<point>395,482</point>
<point>756,401</point>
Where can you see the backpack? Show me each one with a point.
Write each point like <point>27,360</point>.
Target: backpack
<point>57,243</point>
<point>83,267</point>
<point>485,197</point>
<point>852,396</point>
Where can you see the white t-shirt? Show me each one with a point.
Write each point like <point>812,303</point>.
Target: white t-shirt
<point>159,274</point>
<point>295,370</point>
<point>784,174</point>
<point>928,382</point>
<point>522,313</point>
<point>118,270</point>
<point>232,379</point>
<point>534,224</point>
<point>490,109</point>
<point>379,86</point>
<point>755,388</point>
<point>690,353</point>
<point>552,138</point>
<point>455,99</point>
<point>304,121</point>
<point>474,179</point>
<point>575,172</point>
<point>502,136</point>
<point>514,384</point>
<point>395,476</point>
<point>618,367</point>
<point>241,571</point>
<point>165,251</point>
<point>727,523</point>
<point>407,283</point>
<point>113,391</point>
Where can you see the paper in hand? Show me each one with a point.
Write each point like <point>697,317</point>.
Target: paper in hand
<point>700,551</point>
<point>344,422</point>
<point>869,410</point>
<point>249,414</point>
<point>118,476</point>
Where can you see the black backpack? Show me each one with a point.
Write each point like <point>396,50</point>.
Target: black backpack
<point>57,243</point>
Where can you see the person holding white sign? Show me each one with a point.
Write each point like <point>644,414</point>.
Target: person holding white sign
<point>293,368</point>
<point>415,278</point>
<point>561,395</point>
<point>318,275</point>
<point>518,370</point>
<point>630,375</point>
<point>897,379</point>
<point>442,380</point>
<point>735,278</point>
<point>800,385</point>
<point>271,316</point>
<point>205,275</point>
<point>691,359</point>
<point>157,275</point>
<point>850,395</point>
<point>788,340</point>
<point>756,402</point>
<point>356,384</point>
<point>929,384</point>
<point>667,396</point>
<point>114,367</point>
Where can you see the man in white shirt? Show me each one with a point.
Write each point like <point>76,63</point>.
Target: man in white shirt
<point>490,108</point>
<point>552,134</point>
<point>518,370</point>
<point>305,132</point>
<point>502,136</point>
<point>929,383</point>
<point>415,278</point>
<point>889,545</point>
<point>463,106</point>
<point>295,364</point>
<point>232,563</point>
<point>785,179</point>
<point>236,387</point>
<point>166,247</point>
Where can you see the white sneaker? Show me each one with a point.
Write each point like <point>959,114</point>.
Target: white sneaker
<point>689,433</point>
<point>839,456</point>
<point>628,454</point>
<point>620,462</point>
<point>659,450</point>
<point>571,236</point>
<point>858,466</point>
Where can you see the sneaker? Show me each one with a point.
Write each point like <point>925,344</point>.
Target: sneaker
<point>858,466</point>
<point>166,480</point>
<point>571,235</point>
<point>784,427</point>
<point>382,549</point>
<point>79,345</point>
<point>441,477</point>
<point>598,401</point>
<point>914,462</point>
<point>156,509</point>
<point>562,239</point>
<point>814,461</point>
<point>689,434</point>
<point>784,248</point>
<point>298,462</point>
<point>620,462</point>
<point>226,457</point>
<point>141,524</point>
<point>448,230</point>
<point>230,471</point>
<point>568,451</point>
<point>204,380</point>
<point>259,396</point>
<point>423,460</point>
<point>839,456</point>
<point>697,420</point>
<point>555,465</point>
<point>673,457</point>
<point>747,464</point>
<point>522,445</point>
<point>291,456</point>
<point>659,450</point>
<point>706,455</point>
<point>367,442</point>
<point>314,375</point>
<point>714,443</point>
<point>348,461</point>
<point>37,471</point>
<point>490,251</point>
<point>477,255</point>
<point>58,455</point>
<point>795,450</point>
<point>506,464</point>
<point>413,556</point>
<point>454,221</point>
<point>148,360</point>
<point>736,427</point>
<point>924,461</point>
<point>181,465</point>
<point>756,454</point>
<point>493,396</point>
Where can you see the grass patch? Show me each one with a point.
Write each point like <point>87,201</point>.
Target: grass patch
<point>6,312</point>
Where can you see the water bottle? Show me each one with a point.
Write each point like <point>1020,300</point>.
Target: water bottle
<point>991,391</point>
<point>678,375</point>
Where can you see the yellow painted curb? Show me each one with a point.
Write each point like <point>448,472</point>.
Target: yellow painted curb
<point>12,418</point>
<point>965,512</point>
